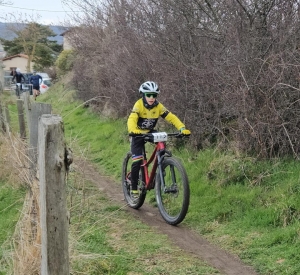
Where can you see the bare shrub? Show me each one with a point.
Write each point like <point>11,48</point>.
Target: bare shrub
<point>229,69</point>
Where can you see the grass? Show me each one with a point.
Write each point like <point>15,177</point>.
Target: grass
<point>104,238</point>
<point>248,207</point>
<point>11,201</point>
<point>110,241</point>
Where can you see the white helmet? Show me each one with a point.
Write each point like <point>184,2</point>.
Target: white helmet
<point>149,87</point>
<point>18,70</point>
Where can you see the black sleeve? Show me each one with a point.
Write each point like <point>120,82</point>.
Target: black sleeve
<point>165,114</point>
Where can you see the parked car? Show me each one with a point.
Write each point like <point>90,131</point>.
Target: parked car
<point>44,75</point>
<point>46,83</point>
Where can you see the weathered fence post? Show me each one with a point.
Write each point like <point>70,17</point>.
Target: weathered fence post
<point>20,106</point>
<point>6,119</point>
<point>27,106</point>
<point>52,174</point>
<point>34,111</point>
<point>2,123</point>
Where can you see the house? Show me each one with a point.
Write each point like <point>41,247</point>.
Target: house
<point>66,41</point>
<point>16,61</point>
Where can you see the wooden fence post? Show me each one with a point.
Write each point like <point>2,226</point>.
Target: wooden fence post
<point>6,119</point>
<point>52,174</point>
<point>27,107</point>
<point>20,106</point>
<point>33,114</point>
<point>2,123</point>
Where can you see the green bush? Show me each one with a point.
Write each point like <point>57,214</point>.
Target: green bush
<point>64,62</point>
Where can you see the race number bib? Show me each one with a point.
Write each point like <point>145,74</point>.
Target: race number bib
<point>161,136</point>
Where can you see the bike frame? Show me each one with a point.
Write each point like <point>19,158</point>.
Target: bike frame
<point>156,157</point>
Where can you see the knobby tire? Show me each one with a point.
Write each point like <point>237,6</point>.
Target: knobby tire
<point>126,185</point>
<point>173,196</point>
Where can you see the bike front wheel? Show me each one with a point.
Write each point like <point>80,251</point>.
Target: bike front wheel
<point>172,191</point>
<point>126,184</point>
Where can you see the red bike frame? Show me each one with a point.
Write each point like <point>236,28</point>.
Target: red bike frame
<point>155,157</point>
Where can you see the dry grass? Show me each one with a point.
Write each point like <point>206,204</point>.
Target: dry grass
<point>27,238</point>
<point>12,160</point>
<point>26,241</point>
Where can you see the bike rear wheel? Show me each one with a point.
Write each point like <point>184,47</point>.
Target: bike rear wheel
<point>172,195</point>
<point>126,184</point>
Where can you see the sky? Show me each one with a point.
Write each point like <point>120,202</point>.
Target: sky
<point>48,12</point>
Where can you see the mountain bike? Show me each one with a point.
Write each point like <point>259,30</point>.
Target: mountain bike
<point>166,175</point>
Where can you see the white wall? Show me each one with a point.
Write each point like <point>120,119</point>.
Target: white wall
<point>17,62</point>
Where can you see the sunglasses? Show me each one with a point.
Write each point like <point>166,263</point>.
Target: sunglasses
<point>151,95</point>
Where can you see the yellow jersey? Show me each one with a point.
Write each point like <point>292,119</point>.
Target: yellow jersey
<point>145,119</point>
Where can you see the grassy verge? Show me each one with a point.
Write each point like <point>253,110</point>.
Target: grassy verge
<point>12,194</point>
<point>104,238</point>
<point>249,207</point>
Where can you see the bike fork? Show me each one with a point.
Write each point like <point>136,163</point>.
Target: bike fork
<point>160,170</point>
<point>173,188</point>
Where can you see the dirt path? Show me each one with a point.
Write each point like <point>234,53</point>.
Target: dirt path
<point>183,237</point>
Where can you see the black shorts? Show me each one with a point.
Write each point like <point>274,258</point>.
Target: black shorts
<point>137,145</point>
<point>36,88</point>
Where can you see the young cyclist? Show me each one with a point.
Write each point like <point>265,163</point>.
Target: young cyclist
<point>143,119</point>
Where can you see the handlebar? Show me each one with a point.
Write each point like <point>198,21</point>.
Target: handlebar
<point>149,136</point>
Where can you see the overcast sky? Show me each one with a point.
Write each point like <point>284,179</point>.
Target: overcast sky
<point>48,12</point>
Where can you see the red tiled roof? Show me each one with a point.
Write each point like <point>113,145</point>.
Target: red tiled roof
<point>14,56</point>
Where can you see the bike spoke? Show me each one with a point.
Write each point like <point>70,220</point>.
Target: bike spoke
<point>173,193</point>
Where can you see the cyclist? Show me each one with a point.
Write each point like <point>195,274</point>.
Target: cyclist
<point>18,76</point>
<point>35,80</point>
<point>143,119</point>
